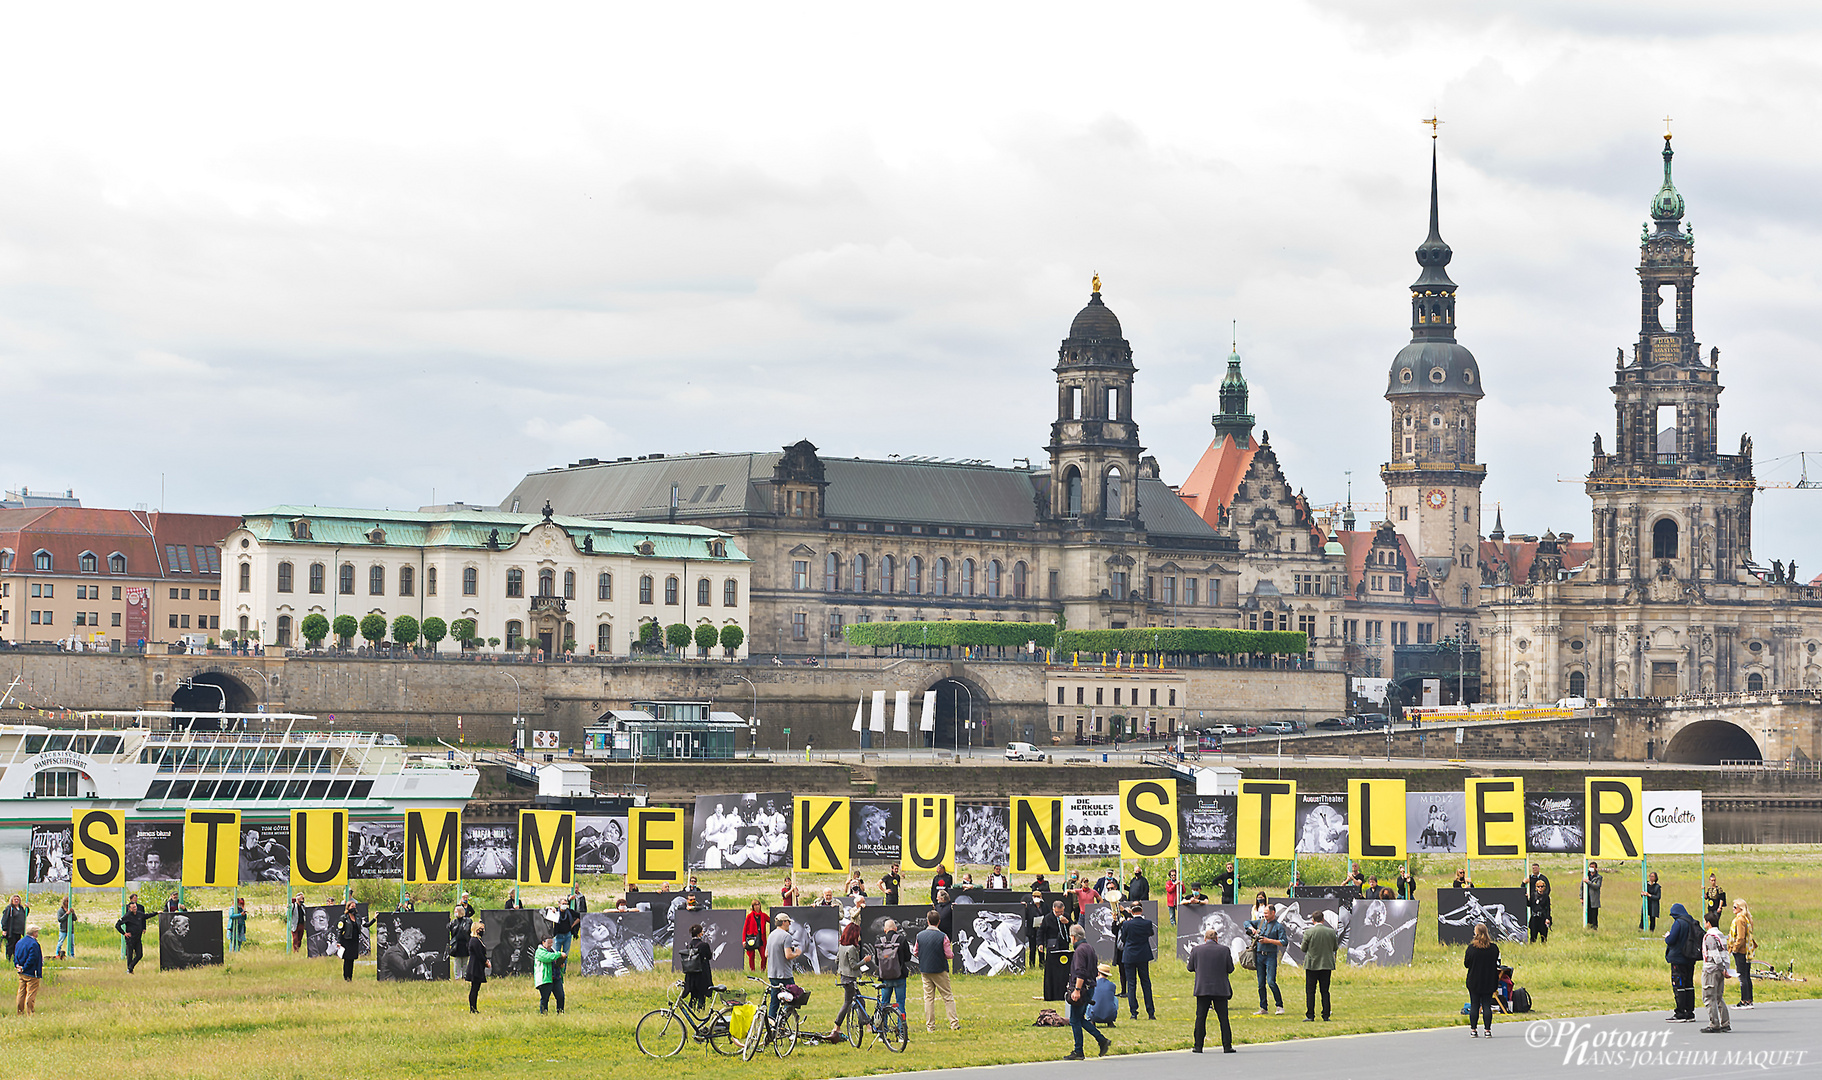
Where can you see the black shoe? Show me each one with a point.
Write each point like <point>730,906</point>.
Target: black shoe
<point>1229,1050</point>
<point>1309,1019</point>
<point>1195,1049</point>
<point>1105,1043</point>
<point>1073,1055</point>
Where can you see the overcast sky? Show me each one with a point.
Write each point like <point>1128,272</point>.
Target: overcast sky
<point>355,254</point>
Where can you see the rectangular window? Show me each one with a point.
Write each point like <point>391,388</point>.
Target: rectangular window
<point>1059,695</point>
<point>800,574</point>
<point>82,618</point>
<point>1307,624</point>
<point>1116,582</point>
<point>1079,691</point>
<point>470,581</point>
<point>670,590</point>
<point>1170,590</point>
<point>1423,633</point>
<point>183,622</point>
<point>345,579</point>
<point>1098,692</point>
<point>1214,592</point>
<point>173,621</point>
<point>604,586</point>
<point>1252,620</point>
<point>800,629</point>
<point>214,622</point>
<point>1116,696</point>
<point>284,577</point>
<point>116,618</point>
<point>316,578</point>
<point>604,639</point>
<point>730,593</point>
<point>1055,587</point>
<point>702,592</point>
<point>645,588</point>
<point>376,581</point>
<point>1154,696</point>
<point>430,581</point>
<point>1151,587</point>
<point>835,620</point>
<point>170,558</point>
<point>407,586</point>
<point>1189,591</point>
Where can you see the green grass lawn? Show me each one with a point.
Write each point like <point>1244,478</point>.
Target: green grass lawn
<point>266,1014</point>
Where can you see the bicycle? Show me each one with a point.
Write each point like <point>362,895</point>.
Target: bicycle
<point>661,1033</point>
<point>773,1024</point>
<point>888,1024</point>
<point>1762,971</point>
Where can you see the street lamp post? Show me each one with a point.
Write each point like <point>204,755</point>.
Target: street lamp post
<point>752,717</point>
<point>970,694</point>
<point>518,720</point>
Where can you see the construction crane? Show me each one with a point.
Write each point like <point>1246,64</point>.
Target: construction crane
<point>1802,482</point>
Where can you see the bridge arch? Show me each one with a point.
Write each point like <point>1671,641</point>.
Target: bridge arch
<point>1710,742</point>
<point>951,713</point>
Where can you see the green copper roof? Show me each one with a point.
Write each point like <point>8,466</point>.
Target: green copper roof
<point>1667,205</point>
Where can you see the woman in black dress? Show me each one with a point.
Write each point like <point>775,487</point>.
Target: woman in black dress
<point>477,967</point>
<point>1482,962</point>
<point>1539,904</point>
<point>1653,894</point>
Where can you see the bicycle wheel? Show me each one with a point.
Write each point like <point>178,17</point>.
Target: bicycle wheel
<point>893,1031</point>
<point>784,1036</point>
<point>858,1027</point>
<point>660,1033</point>
<point>720,1035</point>
<point>756,1035</point>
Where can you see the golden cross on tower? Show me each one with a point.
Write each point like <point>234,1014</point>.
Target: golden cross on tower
<point>1434,124</point>
<point>1666,127</point>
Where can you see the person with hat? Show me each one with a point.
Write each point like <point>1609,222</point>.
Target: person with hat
<point>1106,1007</point>
<point>28,961</point>
<point>780,949</point>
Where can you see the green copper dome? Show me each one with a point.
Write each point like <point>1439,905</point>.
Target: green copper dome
<point>1667,205</point>
<point>1233,380</point>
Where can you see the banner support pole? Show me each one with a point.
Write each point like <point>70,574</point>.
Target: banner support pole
<point>1644,880</point>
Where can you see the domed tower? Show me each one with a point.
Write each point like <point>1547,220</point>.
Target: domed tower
<point>1094,444</point>
<point>1433,482</point>
<point>1233,419</point>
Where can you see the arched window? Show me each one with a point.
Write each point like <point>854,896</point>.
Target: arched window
<point>1578,684</point>
<point>604,638</point>
<point>939,578</point>
<point>645,588</point>
<point>515,631</point>
<point>344,582</point>
<point>243,626</point>
<point>117,563</point>
<point>993,578</point>
<point>547,582</point>
<point>246,577</point>
<point>604,586</point>
<point>1072,488</point>
<point>702,592</point>
<point>914,575</point>
<point>515,582</point>
<point>888,574</point>
<point>284,631</point>
<point>376,581</point>
<point>730,593</point>
<point>1755,682</point>
<point>858,582</point>
<point>831,573</point>
<point>1019,580</point>
<point>670,589</point>
<point>88,563</point>
<point>430,581</point>
<point>284,577</point>
<point>967,581</point>
<point>408,581</point>
<point>569,584</point>
<point>1113,502</point>
<point>316,577</point>
<point>1663,539</point>
<point>471,581</point>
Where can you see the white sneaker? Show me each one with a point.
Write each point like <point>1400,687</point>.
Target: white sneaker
<point>1258,1012</point>
<point>1280,1010</point>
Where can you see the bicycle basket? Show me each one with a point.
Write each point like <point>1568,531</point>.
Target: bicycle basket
<point>740,1019</point>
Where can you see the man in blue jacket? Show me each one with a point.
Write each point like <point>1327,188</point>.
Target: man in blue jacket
<point>1106,1007</point>
<point>28,961</point>
<point>1682,951</point>
<point>1136,957</point>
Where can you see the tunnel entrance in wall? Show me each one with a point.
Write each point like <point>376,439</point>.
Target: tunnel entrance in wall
<point>951,713</point>
<point>1710,742</point>
<point>211,692</point>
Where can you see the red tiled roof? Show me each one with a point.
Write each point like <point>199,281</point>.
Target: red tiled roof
<point>1212,483</point>
<point>144,538</point>
<point>1520,554</point>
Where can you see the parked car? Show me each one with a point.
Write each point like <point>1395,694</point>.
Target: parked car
<point>1298,726</point>
<point>1249,729</point>
<point>1572,703</point>
<point>1023,751</point>
<point>1277,727</point>
<point>1225,729</point>
<point>1372,721</point>
<point>1335,723</point>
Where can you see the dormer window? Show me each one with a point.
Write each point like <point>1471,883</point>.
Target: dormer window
<point>646,547</point>
<point>117,563</point>
<point>718,549</point>
<point>377,536</point>
<point>88,563</point>
<point>300,529</point>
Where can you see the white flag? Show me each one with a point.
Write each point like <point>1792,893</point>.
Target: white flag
<point>901,711</point>
<point>928,721</point>
<point>1673,823</point>
<point>879,710</point>
<point>859,709</point>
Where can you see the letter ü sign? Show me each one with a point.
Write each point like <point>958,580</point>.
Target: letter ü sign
<point>929,831</point>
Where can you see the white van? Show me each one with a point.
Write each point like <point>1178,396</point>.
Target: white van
<point>1023,751</point>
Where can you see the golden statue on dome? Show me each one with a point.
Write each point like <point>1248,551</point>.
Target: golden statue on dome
<point>1097,283</point>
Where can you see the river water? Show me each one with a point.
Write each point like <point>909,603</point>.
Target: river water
<point>1771,825</point>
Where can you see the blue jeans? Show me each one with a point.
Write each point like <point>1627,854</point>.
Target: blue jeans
<point>1079,1022</point>
<point>66,943</point>
<point>889,987</point>
<point>1267,971</point>
<point>562,943</point>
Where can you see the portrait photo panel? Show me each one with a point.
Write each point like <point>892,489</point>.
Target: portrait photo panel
<point>512,937</point>
<point>721,929</point>
<point>376,849</point>
<point>319,930</point>
<point>743,831</point>
<point>1379,933</point>
<point>601,845</point>
<point>50,854</point>
<point>154,851</point>
<point>1435,822</point>
<point>669,909</point>
<point>990,939</point>
<point>188,939</point>
<point>1322,824</point>
<point>413,946</point>
<point>1091,826</point>
<point>265,852</point>
<point>878,829</point>
<point>615,943</point>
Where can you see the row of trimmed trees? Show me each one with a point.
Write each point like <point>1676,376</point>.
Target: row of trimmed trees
<point>678,636</point>
<point>407,631</point>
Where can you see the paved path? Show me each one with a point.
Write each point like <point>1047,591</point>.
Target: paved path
<point>1782,1039</point>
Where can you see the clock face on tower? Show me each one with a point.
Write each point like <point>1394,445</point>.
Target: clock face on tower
<point>1436,497</point>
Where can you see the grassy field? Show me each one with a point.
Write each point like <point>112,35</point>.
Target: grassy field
<point>265,1014</point>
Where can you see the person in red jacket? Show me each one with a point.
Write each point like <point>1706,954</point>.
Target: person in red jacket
<point>752,935</point>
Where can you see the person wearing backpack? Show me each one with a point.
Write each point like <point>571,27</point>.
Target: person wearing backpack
<point>892,956</point>
<point>697,960</point>
<point>1714,975</point>
<point>1682,951</point>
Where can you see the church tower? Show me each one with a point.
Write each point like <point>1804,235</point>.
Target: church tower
<point>1668,506</point>
<point>1432,481</point>
<point>1094,444</point>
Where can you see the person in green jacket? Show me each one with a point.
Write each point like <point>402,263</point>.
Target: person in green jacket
<point>550,964</point>
<point>237,924</point>
<point>1318,964</point>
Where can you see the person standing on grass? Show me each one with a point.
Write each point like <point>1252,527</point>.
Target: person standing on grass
<point>787,892</point>
<point>1034,920</point>
<point>780,950</point>
<point>132,927</point>
<point>890,883</point>
<point>1591,896</point>
<point>892,958</point>
<point>934,952</point>
<point>1407,883</point>
<point>12,922</point>
<point>1482,961</point>
<point>1714,976</point>
<point>945,913</point>
<point>1714,898</point>
<point>477,966</point>
<point>1538,905</point>
<point>1742,944</point>
<point>1268,938</point>
<point>1319,943</point>
<point>550,965</point>
<point>752,936</point>
<point>1139,888</point>
<point>1211,962</point>
<point>698,961</point>
<point>1136,955</point>
<point>1084,969</point>
<point>1537,875</point>
<point>563,929</point>
<point>1653,893</point>
<point>237,924</point>
<point>66,930</point>
<point>1224,884</point>
<point>28,961</point>
<point>849,957</point>
<point>348,936</point>
<point>1172,887</point>
<point>297,919</point>
<point>1682,952</point>
<point>1053,932</point>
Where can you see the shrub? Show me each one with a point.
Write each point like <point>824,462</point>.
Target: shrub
<point>464,631</point>
<point>315,628</point>
<point>346,626</point>
<point>677,635</point>
<point>405,630</point>
<point>706,636</point>
<point>373,628</point>
<point>435,630</point>
<point>1184,641</point>
<point>731,637</point>
<point>943,634</point>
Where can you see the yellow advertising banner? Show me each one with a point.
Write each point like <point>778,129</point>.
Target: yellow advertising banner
<point>98,849</point>
<point>657,844</point>
<point>929,824</point>
<point>1615,810</point>
<point>1267,820</point>
<point>211,848</point>
<point>547,847</point>
<point>1148,819</point>
<point>1376,819</point>
<point>1037,835</point>
<point>319,847</point>
<point>435,861</point>
<point>1496,817</point>
<point>821,837</point>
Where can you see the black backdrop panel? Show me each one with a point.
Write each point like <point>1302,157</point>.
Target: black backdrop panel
<point>616,943</point>
<point>189,939</point>
<point>1458,910</point>
<point>413,946</point>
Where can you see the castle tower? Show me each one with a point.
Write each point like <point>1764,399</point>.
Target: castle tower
<point>1667,504</point>
<point>1233,419</point>
<point>1432,481</point>
<point>1094,443</point>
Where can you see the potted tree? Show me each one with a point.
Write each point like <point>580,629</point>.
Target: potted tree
<point>346,626</point>
<point>314,628</point>
<point>731,638</point>
<point>435,630</point>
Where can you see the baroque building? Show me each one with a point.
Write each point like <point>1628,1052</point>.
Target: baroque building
<point>1665,597</point>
